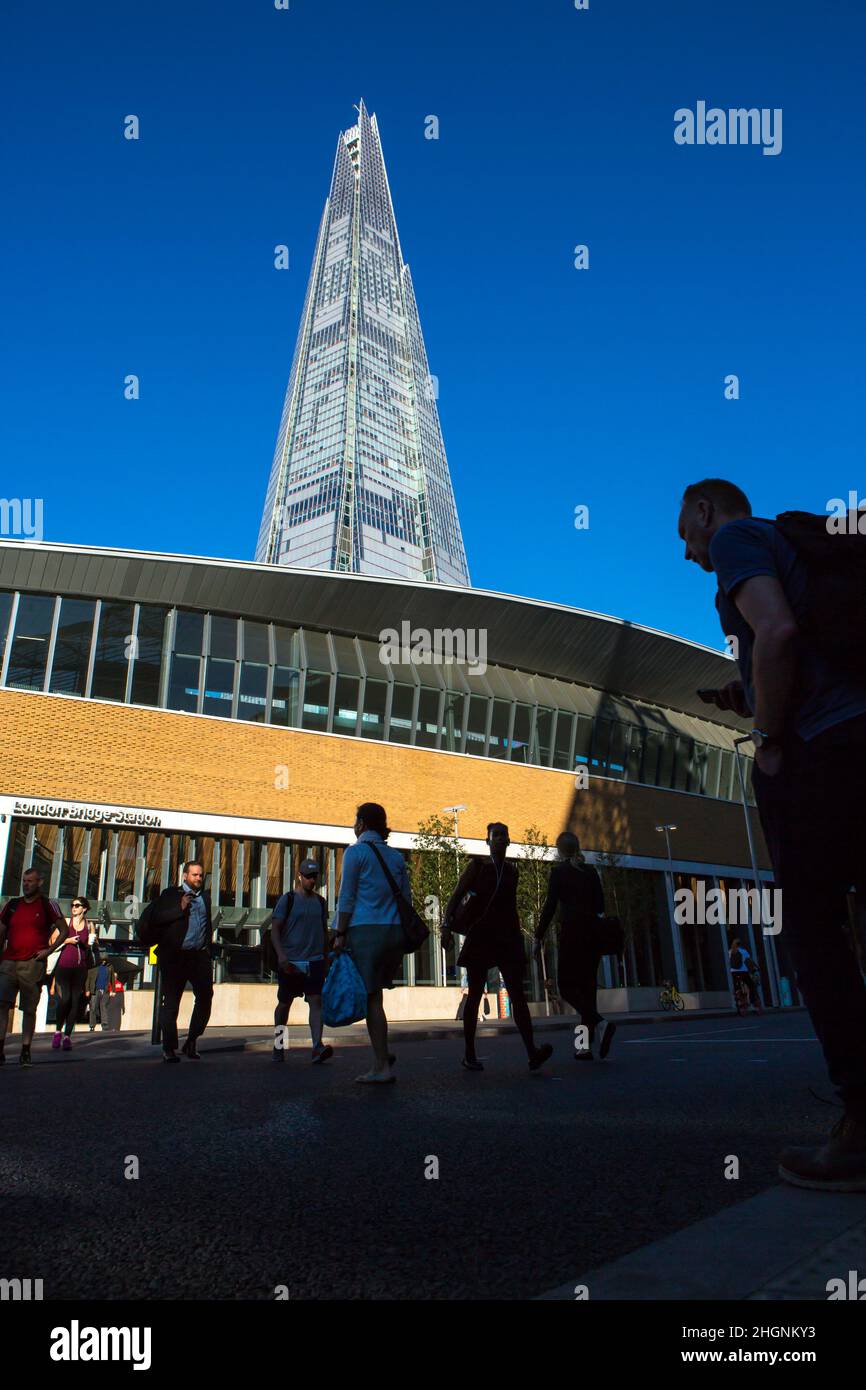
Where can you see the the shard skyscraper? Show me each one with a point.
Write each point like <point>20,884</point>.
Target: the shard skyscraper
<point>360,481</point>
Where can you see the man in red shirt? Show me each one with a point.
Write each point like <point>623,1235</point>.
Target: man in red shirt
<point>28,930</point>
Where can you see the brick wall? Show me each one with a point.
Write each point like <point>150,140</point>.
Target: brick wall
<point>81,750</point>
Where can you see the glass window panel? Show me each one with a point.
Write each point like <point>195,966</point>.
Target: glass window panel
<point>287,646</point>
<point>148,655</point>
<point>452,738</point>
<point>651,752</point>
<point>401,713</point>
<point>72,648</point>
<point>428,718</point>
<point>318,650</point>
<point>562,750</point>
<point>5,610</point>
<point>600,744</point>
<point>583,738</point>
<point>541,742</point>
<point>218,687</point>
<point>252,697</point>
<point>124,873</point>
<point>666,760</point>
<point>727,773</point>
<point>74,841</point>
<point>476,729</point>
<point>113,652</point>
<point>256,644</point>
<point>43,852</point>
<point>183,683</point>
<point>153,884</point>
<point>711,772</point>
<point>30,642</point>
<point>14,867</point>
<point>698,767</point>
<point>284,702</point>
<point>499,729</point>
<point>520,739</point>
<point>223,637</point>
<point>634,754</point>
<point>683,763</point>
<point>373,718</point>
<point>316,696</point>
<point>346,704</point>
<point>617,751</point>
<point>188,633</point>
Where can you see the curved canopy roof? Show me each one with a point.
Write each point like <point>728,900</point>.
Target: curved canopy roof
<point>530,635</point>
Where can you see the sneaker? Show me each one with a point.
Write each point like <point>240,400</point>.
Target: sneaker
<point>839,1165</point>
<point>604,1037</point>
<point>474,1065</point>
<point>56,1040</point>
<point>24,1059</point>
<point>540,1056</point>
<point>322,1052</point>
<point>67,1044</point>
<point>376,1078</point>
<point>278,1054</point>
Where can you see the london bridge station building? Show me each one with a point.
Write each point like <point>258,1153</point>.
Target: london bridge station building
<point>157,708</point>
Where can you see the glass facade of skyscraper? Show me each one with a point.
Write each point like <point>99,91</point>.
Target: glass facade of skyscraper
<point>360,482</point>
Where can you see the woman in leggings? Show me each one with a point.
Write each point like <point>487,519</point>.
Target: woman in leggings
<point>575,888</point>
<point>492,927</point>
<point>70,975</point>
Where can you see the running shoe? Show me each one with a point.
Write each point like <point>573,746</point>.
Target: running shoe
<point>322,1052</point>
<point>474,1065</point>
<point>24,1059</point>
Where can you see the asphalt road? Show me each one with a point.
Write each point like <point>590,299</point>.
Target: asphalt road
<point>253,1175</point>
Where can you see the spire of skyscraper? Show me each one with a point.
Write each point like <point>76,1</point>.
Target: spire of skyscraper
<point>360,481</point>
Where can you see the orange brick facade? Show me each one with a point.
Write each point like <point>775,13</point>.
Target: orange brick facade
<point>83,750</point>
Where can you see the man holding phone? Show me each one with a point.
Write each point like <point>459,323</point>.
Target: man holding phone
<point>809,730</point>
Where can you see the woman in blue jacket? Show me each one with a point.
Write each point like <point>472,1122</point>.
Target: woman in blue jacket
<point>368,924</point>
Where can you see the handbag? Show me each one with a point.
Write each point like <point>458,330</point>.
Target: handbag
<point>414,927</point>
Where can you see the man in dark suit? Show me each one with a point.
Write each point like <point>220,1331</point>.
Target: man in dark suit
<point>181,920</point>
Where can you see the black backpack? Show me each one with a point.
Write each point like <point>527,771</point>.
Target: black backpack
<point>269,955</point>
<point>834,617</point>
<point>145,930</point>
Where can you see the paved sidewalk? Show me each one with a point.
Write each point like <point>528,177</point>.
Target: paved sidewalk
<point>101,1046</point>
<point>785,1243</point>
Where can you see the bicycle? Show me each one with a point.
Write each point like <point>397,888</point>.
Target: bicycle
<point>670,997</point>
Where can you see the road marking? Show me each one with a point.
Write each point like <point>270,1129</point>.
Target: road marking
<point>633,1042</point>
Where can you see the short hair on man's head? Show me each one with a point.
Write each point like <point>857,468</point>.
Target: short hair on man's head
<point>32,870</point>
<point>724,495</point>
<point>568,844</point>
<point>189,864</point>
<point>496,825</point>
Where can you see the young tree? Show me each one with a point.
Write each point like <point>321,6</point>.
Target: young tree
<point>435,865</point>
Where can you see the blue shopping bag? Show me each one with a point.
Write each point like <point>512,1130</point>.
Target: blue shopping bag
<point>344,995</point>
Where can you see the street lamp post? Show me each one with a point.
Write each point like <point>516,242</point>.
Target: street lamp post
<point>455,812</point>
<point>666,831</point>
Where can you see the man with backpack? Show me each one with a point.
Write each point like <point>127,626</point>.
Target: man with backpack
<point>29,927</point>
<point>792,592</point>
<point>299,935</point>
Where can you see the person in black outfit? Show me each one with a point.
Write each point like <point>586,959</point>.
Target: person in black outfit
<point>575,888</point>
<point>492,927</point>
<point>181,919</point>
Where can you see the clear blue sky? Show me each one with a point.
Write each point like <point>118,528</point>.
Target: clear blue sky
<point>557,387</point>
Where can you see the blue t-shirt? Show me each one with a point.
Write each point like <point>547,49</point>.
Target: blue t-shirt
<point>740,551</point>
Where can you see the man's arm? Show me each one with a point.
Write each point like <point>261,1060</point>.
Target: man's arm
<point>763,604</point>
<point>277,924</point>
<point>167,908</point>
<point>550,902</point>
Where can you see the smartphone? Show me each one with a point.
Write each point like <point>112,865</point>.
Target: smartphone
<point>708,696</point>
